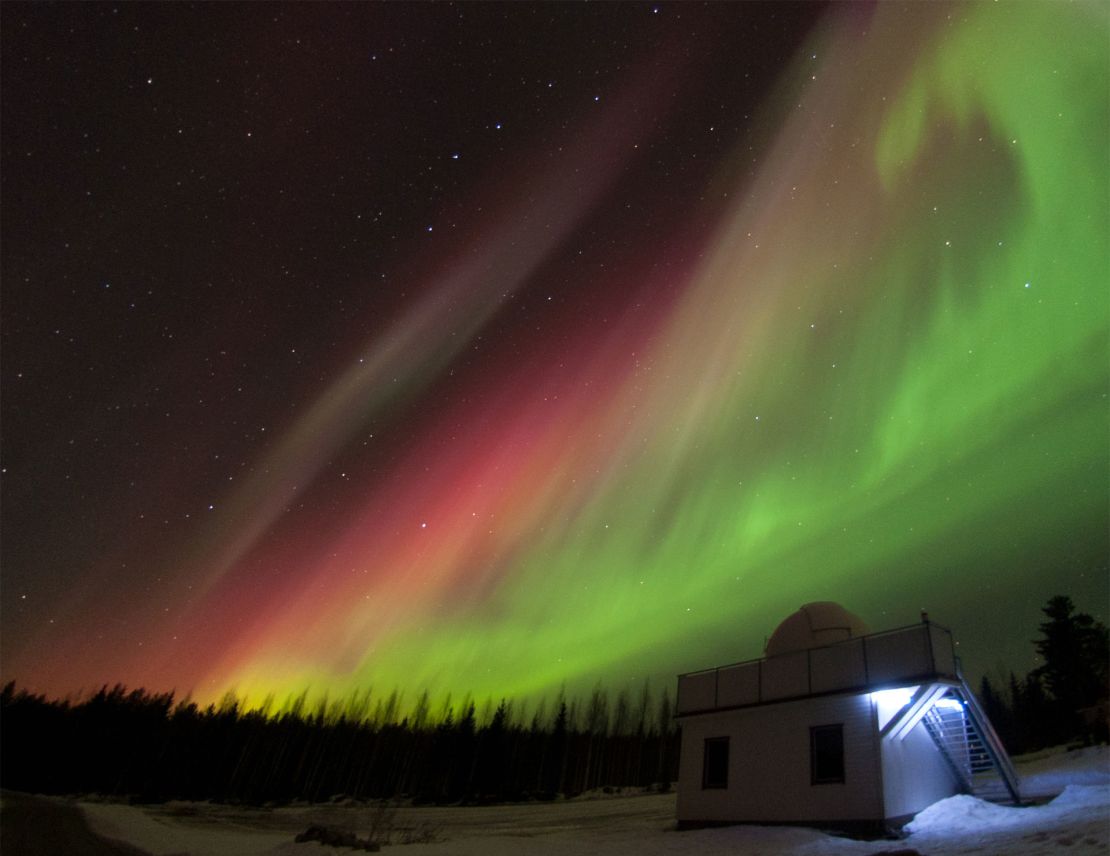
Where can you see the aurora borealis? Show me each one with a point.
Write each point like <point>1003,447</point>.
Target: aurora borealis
<point>493,349</point>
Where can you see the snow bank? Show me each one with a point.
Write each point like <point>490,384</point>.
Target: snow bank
<point>959,814</point>
<point>1078,819</point>
<point>964,814</point>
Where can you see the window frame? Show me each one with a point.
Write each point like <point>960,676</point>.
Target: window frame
<point>708,784</point>
<point>837,778</point>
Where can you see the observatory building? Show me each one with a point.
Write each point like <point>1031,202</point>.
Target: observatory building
<point>835,726</point>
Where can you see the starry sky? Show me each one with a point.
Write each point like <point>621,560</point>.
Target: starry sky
<point>495,348</point>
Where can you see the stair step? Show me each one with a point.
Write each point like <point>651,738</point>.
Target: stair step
<point>971,753</point>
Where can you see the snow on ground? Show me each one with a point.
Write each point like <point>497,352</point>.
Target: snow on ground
<point>1076,821</point>
<point>1046,773</point>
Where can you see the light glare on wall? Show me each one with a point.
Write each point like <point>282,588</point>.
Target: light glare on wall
<point>889,702</point>
<point>896,698</point>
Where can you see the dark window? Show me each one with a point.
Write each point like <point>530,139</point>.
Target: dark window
<point>826,751</point>
<point>715,772</point>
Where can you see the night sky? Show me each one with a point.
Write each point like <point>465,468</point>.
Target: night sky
<point>496,348</point>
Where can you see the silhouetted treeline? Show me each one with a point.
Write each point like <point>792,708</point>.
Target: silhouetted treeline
<point>1065,698</point>
<point>149,747</point>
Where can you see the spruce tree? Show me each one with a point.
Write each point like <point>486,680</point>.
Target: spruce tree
<point>1075,655</point>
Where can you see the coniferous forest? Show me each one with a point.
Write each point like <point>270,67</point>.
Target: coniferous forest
<point>152,747</point>
<point>1063,699</point>
<point>149,747</point>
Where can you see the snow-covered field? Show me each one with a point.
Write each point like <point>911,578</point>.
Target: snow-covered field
<point>1075,821</point>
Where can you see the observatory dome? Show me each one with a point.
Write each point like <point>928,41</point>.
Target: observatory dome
<point>813,626</point>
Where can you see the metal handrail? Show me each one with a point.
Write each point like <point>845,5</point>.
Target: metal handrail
<point>995,749</point>
<point>860,641</point>
<point>940,627</point>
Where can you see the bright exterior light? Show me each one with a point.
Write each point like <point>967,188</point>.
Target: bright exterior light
<point>889,702</point>
<point>896,698</point>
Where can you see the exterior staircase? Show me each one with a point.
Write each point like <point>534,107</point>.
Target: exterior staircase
<point>968,743</point>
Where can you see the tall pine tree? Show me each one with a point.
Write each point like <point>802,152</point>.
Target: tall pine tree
<point>1075,669</point>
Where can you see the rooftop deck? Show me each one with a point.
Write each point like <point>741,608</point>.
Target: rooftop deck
<point>907,655</point>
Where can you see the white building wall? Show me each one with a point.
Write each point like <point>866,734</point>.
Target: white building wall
<point>769,777</point>
<point>915,774</point>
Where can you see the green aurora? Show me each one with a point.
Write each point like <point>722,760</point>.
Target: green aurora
<point>884,382</point>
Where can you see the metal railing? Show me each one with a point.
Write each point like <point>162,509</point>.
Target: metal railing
<point>905,654</point>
